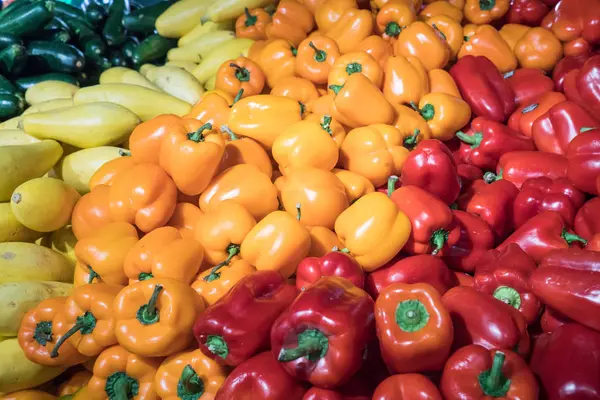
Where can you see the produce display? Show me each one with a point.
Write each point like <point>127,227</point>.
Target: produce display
<point>300,200</point>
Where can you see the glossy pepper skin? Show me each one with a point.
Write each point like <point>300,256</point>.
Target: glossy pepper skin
<point>481,319</point>
<point>292,21</point>
<point>356,62</point>
<point>444,114</point>
<point>541,234</point>
<point>405,81</point>
<point>528,84</point>
<point>334,263</point>
<point>433,226</point>
<point>252,24</point>
<point>431,167</point>
<point>484,12</point>
<point>212,285</point>
<point>321,337</point>
<point>154,317</point>
<point>405,387</point>
<point>414,329</point>
<point>483,88</point>
<point>393,17</point>
<point>567,363</point>
<point>523,118</point>
<point>518,166</point>
<point>244,151</point>
<point>505,275</point>
<point>277,60</point>
<point>527,12</point>
<point>263,376</point>
<point>587,219</point>
<point>486,41</point>
<point>579,259</point>
<point>489,141</point>
<point>213,107</point>
<point>538,48</point>
<point>424,42</point>
<point>449,29</point>
<point>91,212</point>
<point>564,68</point>
<point>423,268</point>
<point>105,175</point>
<point>316,57</point>
<point>583,155</point>
<point>146,138</point>
<point>475,372</point>
<point>302,90</point>
<point>353,26</point>
<point>240,74</point>
<point>544,194</point>
<point>575,24</point>
<point>238,326</point>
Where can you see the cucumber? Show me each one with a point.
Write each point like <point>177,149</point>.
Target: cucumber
<point>98,61</point>
<point>129,47</point>
<point>118,59</point>
<point>6,39</point>
<point>61,36</point>
<point>26,82</point>
<point>113,31</point>
<point>152,48</point>
<point>142,20</point>
<point>95,15</point>
<point>13,59</point>
<point>11,105</point>
<point>55,57</point>
<point>89,40</point>
<point>67,11</point>
<point>7,87</point>
<point>28,19</point>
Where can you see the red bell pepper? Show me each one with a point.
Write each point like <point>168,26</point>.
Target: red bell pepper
<point>540,235</point>
<point>322,336</point>
<point>587,220</point>
<point>528,84</point>
<point>407,387</point>
<point>475,372</point>
<point>553,131</point>
<point>544,194</point>
<point>565,66</point>
<point>335,263</point>
<point>568,363</point>
<point>431,166</point>
<point>583,155</point>
<point>476,238</point>
<point>414,329</point>
<point>506,277</point>
<point>492,202</point>
<point>518,166</point>
<point>434,228</point>
<point>260,377</point>
<point>316,393</point>
<point>523,118</point>
<point>484,88</point>
<point>423,268</point>
<point>489,142</point>
<point>551,320</point>
<point>577,23</point>
<point>238,325</point>
<point>527,12</point>
<point>468,174</point>
<point>464,279</point>
<point>481,319</point>
<point>579,259</point>
<point>594,243</point>
<point>583,85</point>
<point>356,389</point>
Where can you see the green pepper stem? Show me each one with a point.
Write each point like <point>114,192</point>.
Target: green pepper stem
<point>490,177</point>
<point>320,55</point>
<point>411,315</point>
<point>336,88</point>
<point>587,128</point>
<point>410,142</point>
<point>124,153</point>
<point>148,314</point>
<point>326,124</point>
<point>84,323</point>
<point>238,96</point>
<point>43,332</point>
<point>507,75</point>
<point>438,240</point>
<point>92,275</point>
<point>145,276</point>
<point>298,211</point>
<point>232,250</point>
<point>250,19</point>
<point>353,68</point>
<point>120,386</point>
<point>232,136</point>
<point>492,381</point>
<point>242,74</point>
<point>312,343</point>
<point>474,140</point>
<point>392,29</point>
<point>217,345</point>
<point>190,385</point>
<point>529,108</point>
<point>434,26</point>
<point>508,295</point>
<point>294,51</point>
<point>198,136</point>
<point>487,5</point>
<point>571,237</point>
<point>391,185</point>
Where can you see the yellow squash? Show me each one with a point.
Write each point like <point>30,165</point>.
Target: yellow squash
<point>50,105</point>
<point>181,17</point>
<point>224,10</point>
<point>49,90</point>
<point>202,29</point>
<point>11,230</point>
<point>125,75</point>
<point>11,137</point>
<point>177,82</point>
<point>21,261</point>
<point>229,50</point>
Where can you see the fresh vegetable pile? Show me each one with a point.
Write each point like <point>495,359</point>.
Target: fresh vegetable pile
<point>372,200</point>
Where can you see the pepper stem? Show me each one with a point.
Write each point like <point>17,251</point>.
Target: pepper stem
<point>411,315</point>
<point>238,96</point>
<point>411,141</point>
<point>217,345</point>
<point>474,140</point>
<point>232,136</point>
<point>120,386</point>
<point>490,177</point>
<point>587,128</point>
<point>190,385</point>
<point>242,74</point>
<point>198,136</point>
<point>302,108</point>
<point>148,314</point>
<point>336,88</point>
<point>353,68</point>
<point>487,5</point>
<point>507,75</point>
<point>124,153</point>
<point>427,112</point>
<point>232,250</point>
<point>508,296</point>
<point>529,108</point>
<point>250,19</point>
<point>84,324</point>
<point>492,381</point>
<point>391,185</point>
<point>92,275</point>
<point>326,124</point>
<point>571,237</point>
<point>392,29</point>
<point>312,343</point>
<point>320,55</point>
<point>294,51</point>
<point>43,332</point>
<point>298,211</point>
<point>438,239</point>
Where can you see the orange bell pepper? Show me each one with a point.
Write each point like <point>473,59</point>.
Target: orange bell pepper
<point>263,117</point>
<point>279,242</point>
<point>405,80</point>
<point>107,172</point>
<point>164,253</point>
<point>356,185</point>
<point>330,12</point>
<point>315,58</point>
<point>100,256</point>
<point>413,128</point>
<point>240,74</point>
<point>87,322</point>
<point>487,42</point>
<point>154,317</point>
<point>191,155</point>
<point>379,48</point>
<point>212,108</point>
<point>91,212</point>
<point>212,285</point>
<point>358,102</point>
<point>445,114</point>
<point>277,60</point>
<point>316,195</point>
<point>355,63</point>
<point>189,375</point>
<point>120,374</point>
<point>373,229</point>
<point>305,144</point>
<point>450,31</point>
<point>375,152</point>
<point>74,382</point>
<point>252,24</point>
<point>480,12</point>
<point>244,151</point>
<point>312,4</point>
<point>440,81</point>
<point>256,48</point>
<point>292,21</point>
<point>322,241</point>
<point>246,185</point>
<point>376,5</point>
<point>38,335</point>
<point>146,138</point>
<point>353,27</point>
<point>441,8</point>
<point>424,42</point>
<point>144,195</point>
<point>512,33</point>
<point>393,17</point>
<point>28,395</point>
<point>539,48</point>
<point>184,218</point>
<point>333,128</point>
<point>222,230</point>
<point>299,89</point>
<point>323,105</point>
